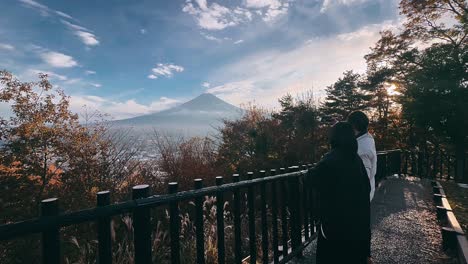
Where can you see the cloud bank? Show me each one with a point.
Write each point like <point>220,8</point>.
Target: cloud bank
<point>119,109</point>
<point>318,62</point>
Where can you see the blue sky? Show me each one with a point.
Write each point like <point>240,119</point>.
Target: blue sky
<point>128,58</point>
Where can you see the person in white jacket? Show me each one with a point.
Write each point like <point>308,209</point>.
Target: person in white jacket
<point>366,145</point>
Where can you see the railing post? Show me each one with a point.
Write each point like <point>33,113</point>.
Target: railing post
<point>220,221</point>
<point>51,237</point>
<point>292,216</point>
<point>284,214</point>
<point>441,163</point>
<point>274,216</point>
<point>298,222</point>
<point>237,223</point>
<point>141,227</point>
<point>199,224</point>
<point>174,225</point>
<point>405,168</point>
<point>251,213</point>
<point>264,219</point>
<point>295,217</point>
<point>305,201</point>
<point>312,200</point>
<point>104,231</point>
<point>385,167</point>
<point>448,166</point>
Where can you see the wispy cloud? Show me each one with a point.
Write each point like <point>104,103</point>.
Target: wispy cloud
<point>327,4</point>
<point>269,10</point>
<point>58,60</point>
<point>74,26</point>
<point>206,84</point>
<point>65,15</point>
<point>219,39</point>
<point>44,10</point>
<point>67,82</point>
<point>165,69</point>
<point>85,35</point>
<point>211,37</point>
<point>33,73</point>
<point>73,81</point>
<point>88,72</point>
<point>87,38</point>
<point>261,3</point>
<point>4,46</point>
<point>215,16</point>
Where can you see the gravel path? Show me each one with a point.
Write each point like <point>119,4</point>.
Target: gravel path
<point>404,225</point>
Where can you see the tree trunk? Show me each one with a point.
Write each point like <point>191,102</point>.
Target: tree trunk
<point>460,176</point>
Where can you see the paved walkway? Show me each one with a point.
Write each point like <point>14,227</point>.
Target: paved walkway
<point>404,225</point>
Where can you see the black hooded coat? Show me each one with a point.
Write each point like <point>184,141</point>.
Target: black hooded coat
<point>343,188</point>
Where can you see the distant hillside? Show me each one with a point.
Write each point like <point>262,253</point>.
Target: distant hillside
<point>195,117</point>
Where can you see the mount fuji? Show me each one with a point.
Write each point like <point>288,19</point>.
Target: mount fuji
<point>198,116</point>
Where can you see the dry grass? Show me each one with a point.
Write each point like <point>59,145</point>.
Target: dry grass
<point>84,249</point>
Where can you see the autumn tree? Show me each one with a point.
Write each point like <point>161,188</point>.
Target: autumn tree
<point>184,159</point>
<point>247,143</point>
<point>262,139</point>
<point>34,135</point>
<point>46,152</point>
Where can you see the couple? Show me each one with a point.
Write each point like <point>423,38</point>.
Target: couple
<point>345,183</point>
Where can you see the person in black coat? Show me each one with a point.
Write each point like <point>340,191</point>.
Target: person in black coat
<point>343,188</point>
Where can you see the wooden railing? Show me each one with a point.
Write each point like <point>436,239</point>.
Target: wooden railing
<point>436,163</point>
<point>287,225</point>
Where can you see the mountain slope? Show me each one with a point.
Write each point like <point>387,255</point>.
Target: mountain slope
<point>198,115</point>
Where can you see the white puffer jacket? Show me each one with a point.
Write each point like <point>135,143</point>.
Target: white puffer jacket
<point>368,154</point>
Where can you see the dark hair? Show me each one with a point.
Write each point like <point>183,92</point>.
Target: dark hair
<point>359,121</point>
<point>342,138</point>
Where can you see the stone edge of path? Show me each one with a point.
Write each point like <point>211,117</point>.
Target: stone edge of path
<point>452,234</point>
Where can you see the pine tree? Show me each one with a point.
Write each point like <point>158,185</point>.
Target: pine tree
<point>344,97</point>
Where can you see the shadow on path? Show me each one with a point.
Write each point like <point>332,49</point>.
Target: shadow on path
<point>404,225</point>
